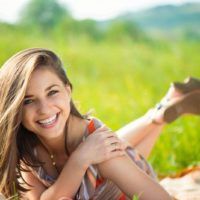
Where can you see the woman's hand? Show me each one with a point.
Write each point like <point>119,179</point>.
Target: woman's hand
<point>101,145</point>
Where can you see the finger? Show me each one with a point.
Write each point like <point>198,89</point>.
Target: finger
<point>115,147</point>
<point>121,144</point>
<point>112,140</point>
<point>125,145</point>
<point>104,134</point>
<point>117,153</point>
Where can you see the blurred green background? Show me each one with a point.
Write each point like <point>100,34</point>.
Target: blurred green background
<point>121,67</point>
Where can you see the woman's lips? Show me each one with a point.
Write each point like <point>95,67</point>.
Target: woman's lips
<point>50,122</point>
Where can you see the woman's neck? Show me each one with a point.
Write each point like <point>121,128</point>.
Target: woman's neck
<point>76,131</point>
<point>73,135</point>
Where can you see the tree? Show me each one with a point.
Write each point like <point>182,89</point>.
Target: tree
<point>120,29</point>
<point>43,13</point>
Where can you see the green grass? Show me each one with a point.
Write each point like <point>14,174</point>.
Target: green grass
<point>135,197</point>
<point>121,81</point>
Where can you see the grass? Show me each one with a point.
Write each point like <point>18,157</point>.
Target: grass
<point>121,81</point>
<point>135,197</point>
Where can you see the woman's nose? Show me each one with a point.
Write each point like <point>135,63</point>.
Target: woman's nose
<point>43,107</point>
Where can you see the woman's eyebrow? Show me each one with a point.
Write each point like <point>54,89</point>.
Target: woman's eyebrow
<point>47,89</point>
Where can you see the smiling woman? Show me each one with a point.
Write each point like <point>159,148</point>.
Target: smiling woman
<point>46,105</point>
<point>50,151</point>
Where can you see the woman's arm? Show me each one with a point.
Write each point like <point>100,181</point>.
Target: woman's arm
<point>131,179</point>
<point>35,188</point>
<point>69,179</point>
<point>95,149</point>
<point>66,185</point>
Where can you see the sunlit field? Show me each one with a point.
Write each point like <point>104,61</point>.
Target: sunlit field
<point>121,80</point>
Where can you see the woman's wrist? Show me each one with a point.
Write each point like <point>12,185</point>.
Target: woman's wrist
<point>79,159</point>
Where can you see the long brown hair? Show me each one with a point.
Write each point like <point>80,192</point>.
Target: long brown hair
<point>17,142</point>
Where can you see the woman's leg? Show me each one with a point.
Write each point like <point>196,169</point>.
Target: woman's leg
<point>146,146</point>
<point>143,132</point>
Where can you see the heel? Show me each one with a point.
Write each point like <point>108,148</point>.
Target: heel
<point>187,104</point>
<point>190,84</point>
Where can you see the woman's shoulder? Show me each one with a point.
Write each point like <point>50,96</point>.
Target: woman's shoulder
<point>93,124</point>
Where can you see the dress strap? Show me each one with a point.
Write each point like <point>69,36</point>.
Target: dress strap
<point>94,124</point>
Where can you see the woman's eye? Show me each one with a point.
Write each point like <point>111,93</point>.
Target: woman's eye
<point>28,101</point>
<point>52,92</point>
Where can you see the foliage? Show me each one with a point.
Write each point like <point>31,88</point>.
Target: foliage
<point>172,22</point>
<point>50,17</point>
<point>71,27</point>
<point>43,14</point>
<point>118,30</point>
<point>168,20</point>
<point>135,197</point>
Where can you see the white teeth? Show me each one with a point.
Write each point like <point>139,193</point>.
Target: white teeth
<point>48,121</point>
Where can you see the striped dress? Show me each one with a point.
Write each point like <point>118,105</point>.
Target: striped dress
<point>93,186</point>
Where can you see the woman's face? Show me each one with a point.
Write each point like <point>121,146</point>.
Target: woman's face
<point>46,105</point>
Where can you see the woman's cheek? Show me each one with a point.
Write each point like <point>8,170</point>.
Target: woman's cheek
<point>27,114</point>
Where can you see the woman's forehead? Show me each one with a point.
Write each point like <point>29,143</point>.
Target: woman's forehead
<point>42,78</point>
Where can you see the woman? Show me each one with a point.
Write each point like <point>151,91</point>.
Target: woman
<point>50,151</point>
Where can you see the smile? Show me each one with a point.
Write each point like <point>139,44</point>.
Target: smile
<point>47,123</point>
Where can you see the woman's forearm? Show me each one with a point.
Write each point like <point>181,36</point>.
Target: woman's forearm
<point>132,180</point>
<point>69,180</point>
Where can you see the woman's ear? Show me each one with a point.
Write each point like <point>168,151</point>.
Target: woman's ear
<point>68,89</point>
